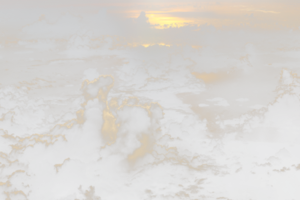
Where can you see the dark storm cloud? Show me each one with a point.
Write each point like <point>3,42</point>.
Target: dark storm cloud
<point>66,23</point>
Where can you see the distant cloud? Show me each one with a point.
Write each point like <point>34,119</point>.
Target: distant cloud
<point>257,106</point>
<point>171,74</point>
<point>66,23</point>
<point>282,112</point>
<point>43,44</point>
<point>242,99</point>
<point>203,105</point>
<point>219,101</point>
<point>261,10</point>
<point>59,60</point>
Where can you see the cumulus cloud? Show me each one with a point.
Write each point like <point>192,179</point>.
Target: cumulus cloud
<point>107,144</point>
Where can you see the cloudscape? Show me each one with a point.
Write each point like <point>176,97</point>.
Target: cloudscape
<point>149,100</point>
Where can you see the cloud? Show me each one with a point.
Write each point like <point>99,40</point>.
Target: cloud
<point>91,74</point>
<point>82,45</point>
<point>206,58</point>
<point>171,74</point>
<point>262,10</point>
<point>66,23</point>
<point>43,44</point>
<point>36,83</point>
<point>257,107</point>
<point>242,99</point>
<point>282,170</point>
<point>245,62</point>
<point>209,29</point>
<point>203,105</point>
<point>107,144</point>
<point>219,101</point>
<point>282,112</point>
<point>59,61</point>
<point>141,21</point>
<point>250,48</point>
<point>289,51</point>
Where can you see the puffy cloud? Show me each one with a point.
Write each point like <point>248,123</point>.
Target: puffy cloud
<point>66,23</point>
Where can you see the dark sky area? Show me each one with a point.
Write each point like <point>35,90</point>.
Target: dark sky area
<point>149,100</point>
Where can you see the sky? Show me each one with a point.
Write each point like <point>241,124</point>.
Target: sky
<point>146,100</point>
